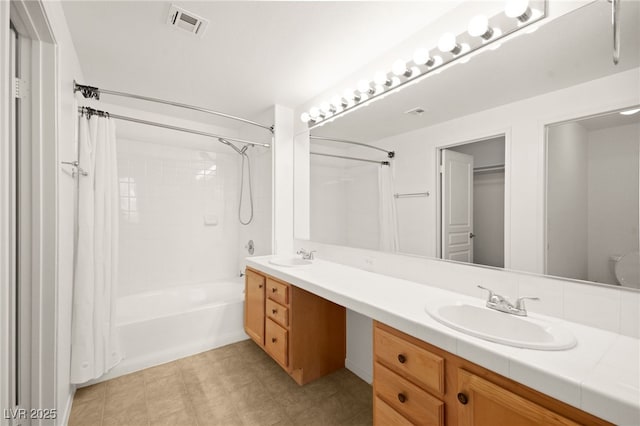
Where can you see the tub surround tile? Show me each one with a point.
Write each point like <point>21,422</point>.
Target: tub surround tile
<point>561,374</point>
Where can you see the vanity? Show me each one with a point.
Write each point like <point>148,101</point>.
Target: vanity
<point>423,371</point>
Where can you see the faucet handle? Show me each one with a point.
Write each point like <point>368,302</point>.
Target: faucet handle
<point>491,293</point>
<point>301,251</point>
<point>520,301</point>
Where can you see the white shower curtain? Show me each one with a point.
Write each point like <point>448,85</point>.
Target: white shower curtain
<point>94,343</point>
<point>387,210</point>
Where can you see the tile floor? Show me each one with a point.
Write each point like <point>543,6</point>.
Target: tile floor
<point>234,385</point>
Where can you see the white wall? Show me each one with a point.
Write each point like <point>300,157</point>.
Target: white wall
<point>567,206</point>
<point>68,70</point>
<point>613,197</point>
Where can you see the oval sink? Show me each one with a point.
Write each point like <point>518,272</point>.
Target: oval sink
<point>289,261</point>
<point>499,327</point>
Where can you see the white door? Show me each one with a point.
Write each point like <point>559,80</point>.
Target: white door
<point>457,206</point>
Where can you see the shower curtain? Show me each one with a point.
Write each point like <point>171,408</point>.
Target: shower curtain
<point>94,345</point>
<point>387,210</point>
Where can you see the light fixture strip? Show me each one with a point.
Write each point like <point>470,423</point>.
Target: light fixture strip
<point>500,26</point>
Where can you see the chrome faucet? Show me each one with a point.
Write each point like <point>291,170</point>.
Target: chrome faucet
<point>305,254</point>
<point>500,303</point>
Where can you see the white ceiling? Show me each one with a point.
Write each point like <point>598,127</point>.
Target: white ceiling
<point>572,49</point>
<point>253,54</point>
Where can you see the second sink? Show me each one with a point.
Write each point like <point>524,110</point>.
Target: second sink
<point>499,327</point>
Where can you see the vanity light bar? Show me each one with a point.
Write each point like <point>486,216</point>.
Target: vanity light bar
<point>481,32</point>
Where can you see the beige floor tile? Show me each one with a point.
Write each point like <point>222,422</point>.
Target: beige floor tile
<point>161,371</point>
<point>123,401</point>
<point>263,416</point>
<point>250,397</point>
<point>158,408</point>
<point>87,413</point>
<point>131,414</point>
<point>164,387</point>
<point>178,418</point>
<point>216,412</point>
<point>124,383</point>
<point>89,393</point>
<point>235,385</point>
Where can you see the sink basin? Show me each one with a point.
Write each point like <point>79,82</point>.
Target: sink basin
<point>289,261</point>
<point>499,327</point>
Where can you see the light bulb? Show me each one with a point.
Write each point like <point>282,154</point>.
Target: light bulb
<point>415,71</point>
<point>421,57</point>
<point>381,79</point>
<point>339,102</point>
<point>327,108</point>
<point>395,81</point>
<point>479,27</point>
<point>349,95</point>
<point>305,117</point>
<point>518,9</point>
<point>447,43</point>
<point>399,67</point>
<point>314,112</point>
<point>379,89</point>
<point>364,86</point>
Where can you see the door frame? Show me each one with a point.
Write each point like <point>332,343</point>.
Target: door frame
<point>501,132</point>
<point>31,22</point>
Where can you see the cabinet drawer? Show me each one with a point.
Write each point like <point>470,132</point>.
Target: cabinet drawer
<point>417,364</point>
<point>278,291</point>
<point>406,398</point>
<point>276,342</point>
<point>384,415</point>
<point>278,313</point>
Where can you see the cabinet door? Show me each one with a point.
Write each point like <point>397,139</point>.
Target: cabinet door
<point>254,306</point>
<point>481,402</point>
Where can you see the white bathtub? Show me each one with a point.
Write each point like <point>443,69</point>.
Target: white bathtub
<point>160,326</point>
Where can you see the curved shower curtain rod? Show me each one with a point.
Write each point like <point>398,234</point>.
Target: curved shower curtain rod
<point>390,154</point>
<point>90,111</point>
<point>91,92</point>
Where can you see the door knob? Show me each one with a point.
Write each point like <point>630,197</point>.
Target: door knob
<point>463,398</point>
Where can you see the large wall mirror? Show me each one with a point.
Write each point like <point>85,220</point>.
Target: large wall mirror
<point>473,177</point>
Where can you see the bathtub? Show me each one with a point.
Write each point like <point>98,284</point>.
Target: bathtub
<point>161,326</point>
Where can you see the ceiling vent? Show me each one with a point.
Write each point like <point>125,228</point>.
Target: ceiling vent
<point>415,111</point>
<point>187,21</point>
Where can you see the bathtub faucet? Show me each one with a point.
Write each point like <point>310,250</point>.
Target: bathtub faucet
<point>305,254</point>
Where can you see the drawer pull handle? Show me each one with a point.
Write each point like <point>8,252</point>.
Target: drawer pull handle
<point>274,311</point>
<point>273,340</point>
<point>260,286</point>
<point>463,398</point>
<point>402,398</point>
<point>402,359</point>
<point>274,289</point>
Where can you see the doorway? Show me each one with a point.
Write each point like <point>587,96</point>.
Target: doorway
<point>472,189</point>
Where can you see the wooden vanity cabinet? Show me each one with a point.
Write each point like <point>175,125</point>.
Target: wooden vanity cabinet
<point>302,332</point>
<point>417,383</point>
<point>254,306</point>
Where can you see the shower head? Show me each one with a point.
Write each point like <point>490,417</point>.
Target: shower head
<point>235,148</point>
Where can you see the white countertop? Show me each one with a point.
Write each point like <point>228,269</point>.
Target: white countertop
<point>601,375</point>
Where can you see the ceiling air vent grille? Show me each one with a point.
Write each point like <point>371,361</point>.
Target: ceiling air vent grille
<point>187,21</point>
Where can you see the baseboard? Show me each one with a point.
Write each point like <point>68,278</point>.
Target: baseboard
<point>67,410</point>
<point>364,372</point>
<point>131,365</point>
